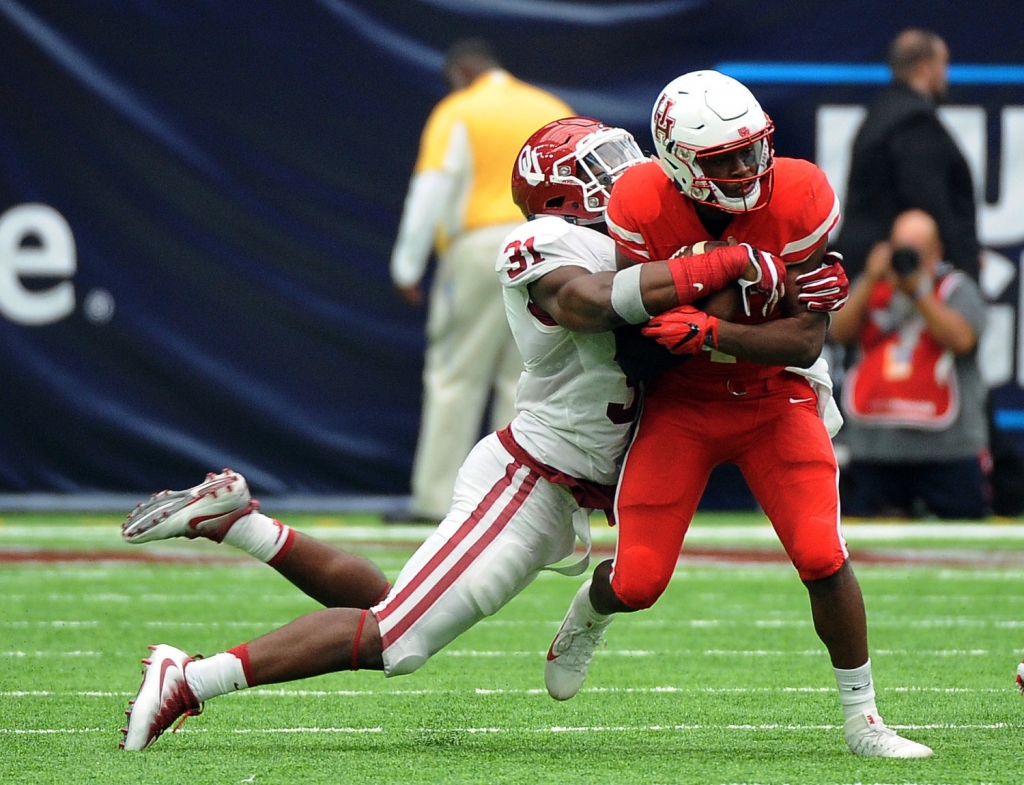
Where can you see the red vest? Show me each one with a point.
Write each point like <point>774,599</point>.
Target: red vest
<point>903,378</point>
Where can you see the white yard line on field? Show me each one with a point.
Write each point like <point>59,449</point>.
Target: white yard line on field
<point>261,692</point>
<point>859,533</point>
<point>553,729</point>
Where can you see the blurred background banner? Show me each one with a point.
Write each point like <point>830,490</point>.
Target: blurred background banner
<point>198,201</point>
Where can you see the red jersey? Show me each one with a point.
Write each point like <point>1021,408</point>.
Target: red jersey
<point>650,220</point>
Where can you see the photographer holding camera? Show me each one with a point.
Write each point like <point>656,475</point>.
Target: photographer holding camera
<point>913,399</point>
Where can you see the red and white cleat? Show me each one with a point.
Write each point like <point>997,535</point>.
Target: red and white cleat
<point>867,735</point>
<point>1020,678</point>
<point>163,697</point>
<point>206,510</point>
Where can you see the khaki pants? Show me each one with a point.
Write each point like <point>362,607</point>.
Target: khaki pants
<point>470,354</point>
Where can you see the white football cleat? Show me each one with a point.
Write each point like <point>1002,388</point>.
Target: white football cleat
<point>207,510</point>
<point>1020,678</point>
<point>573,647</point>
<point>163,697</point>
<point>867,735</point>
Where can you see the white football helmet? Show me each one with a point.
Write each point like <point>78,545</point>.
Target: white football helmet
<point>706,113</point>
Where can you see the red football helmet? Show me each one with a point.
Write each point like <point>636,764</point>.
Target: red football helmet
<point>568,166</point>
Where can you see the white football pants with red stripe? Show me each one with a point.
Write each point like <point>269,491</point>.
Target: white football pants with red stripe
<point>505,525</point>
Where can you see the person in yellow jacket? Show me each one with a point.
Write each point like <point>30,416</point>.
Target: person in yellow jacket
<point>460,204</point>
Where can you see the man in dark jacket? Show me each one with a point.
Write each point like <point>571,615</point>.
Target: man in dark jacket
<point>903,157</point>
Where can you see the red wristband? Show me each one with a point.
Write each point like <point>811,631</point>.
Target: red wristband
<point>696,277</point>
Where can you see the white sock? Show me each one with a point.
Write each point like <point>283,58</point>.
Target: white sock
<point>216,675</point>
<point>856,690</point>
<point>582,601</point>
<point>258,535</point>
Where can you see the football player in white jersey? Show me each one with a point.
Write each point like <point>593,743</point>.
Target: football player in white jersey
<point>523,495</point>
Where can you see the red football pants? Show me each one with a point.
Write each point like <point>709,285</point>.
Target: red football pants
<point>771,431</point>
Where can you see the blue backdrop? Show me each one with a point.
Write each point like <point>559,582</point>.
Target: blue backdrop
<point>198,200</point>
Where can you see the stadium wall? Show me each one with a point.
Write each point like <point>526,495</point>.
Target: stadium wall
<point>198,200</point>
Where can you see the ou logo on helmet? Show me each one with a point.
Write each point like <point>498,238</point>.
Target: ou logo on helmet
<point>36,242</point>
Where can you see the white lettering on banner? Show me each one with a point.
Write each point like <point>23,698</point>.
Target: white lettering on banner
<point>36,241</point>
<point>836,127</point>
<point>1000,223</point>
<point>1020,331</point>
<point>995,347</point>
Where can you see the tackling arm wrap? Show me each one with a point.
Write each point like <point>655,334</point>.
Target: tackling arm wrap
<point>695,277</point>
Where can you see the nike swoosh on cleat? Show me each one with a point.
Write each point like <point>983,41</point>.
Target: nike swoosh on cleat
<point>800,400</point>
<point>167,663</point>
<point>551,651</point>
<point>199,520</point>
<point>699,287</point>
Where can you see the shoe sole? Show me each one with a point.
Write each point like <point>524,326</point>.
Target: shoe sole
<point>151,520</point>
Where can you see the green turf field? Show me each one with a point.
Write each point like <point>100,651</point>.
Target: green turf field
<point>724,681</point>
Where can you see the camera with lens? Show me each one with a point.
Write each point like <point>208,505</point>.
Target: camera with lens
<point>904,261</point>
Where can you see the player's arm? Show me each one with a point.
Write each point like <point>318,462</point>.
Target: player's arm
<point>603,301</point>
<point>622,261</point>
<point>581,301</point>
<point>795,339</point>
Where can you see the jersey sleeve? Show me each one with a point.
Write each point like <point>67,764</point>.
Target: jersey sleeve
<point>537,247</point>
<point>809,208</point>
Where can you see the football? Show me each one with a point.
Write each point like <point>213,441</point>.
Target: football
<point>726,303</point>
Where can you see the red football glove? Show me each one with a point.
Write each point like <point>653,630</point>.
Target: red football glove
<point>684,330</point>
<point>827,288</point>
<point>770,283</point>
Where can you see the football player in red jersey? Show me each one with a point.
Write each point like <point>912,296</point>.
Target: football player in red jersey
<point>753,402</point>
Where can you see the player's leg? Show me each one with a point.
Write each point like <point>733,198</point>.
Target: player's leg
<point>506,524</point>
<point>573,647</point>
<point>221,509</point>
<point>176,685</point>
<point>333,577</point>
<point>790,466</point>
<point>663,476</point>
<point>653,512</point>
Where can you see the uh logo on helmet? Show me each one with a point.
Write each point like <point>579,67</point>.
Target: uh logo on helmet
<point>706,114</point>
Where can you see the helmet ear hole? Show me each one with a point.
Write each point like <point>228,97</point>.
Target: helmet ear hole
<point>554,204</point>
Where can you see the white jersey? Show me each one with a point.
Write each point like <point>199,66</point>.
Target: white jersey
<point>509,517</point>
<point>574,406</point>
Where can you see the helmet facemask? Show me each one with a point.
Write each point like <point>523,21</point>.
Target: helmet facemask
<point>567,168</point>
<point>702,116</point>
<point>732,194</point>
<point>595,165</point>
